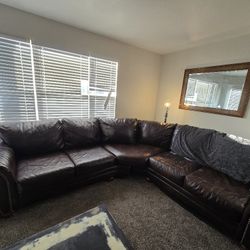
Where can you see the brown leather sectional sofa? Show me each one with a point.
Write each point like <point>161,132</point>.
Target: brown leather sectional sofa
<point>39,158</point>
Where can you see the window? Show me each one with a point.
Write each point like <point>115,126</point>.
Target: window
<point>41,83</point>
<point>234,99</point>
<point>201,93</point>
<point>58,77</point>
<point>16,82</point>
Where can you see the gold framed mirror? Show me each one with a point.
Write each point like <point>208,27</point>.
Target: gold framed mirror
<point>223,89</point>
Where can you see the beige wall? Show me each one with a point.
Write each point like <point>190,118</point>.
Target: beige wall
<point>138,76</point>
<point>173,66</point>
<point>139,70</point>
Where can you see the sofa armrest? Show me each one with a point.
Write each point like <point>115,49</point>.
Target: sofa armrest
<point>244,228</point>
<point>245,241</point>
<point>8,191</point>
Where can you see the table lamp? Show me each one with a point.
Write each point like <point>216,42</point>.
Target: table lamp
<point>167,105</point>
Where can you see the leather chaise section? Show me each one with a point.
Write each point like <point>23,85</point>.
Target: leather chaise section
<point>172,166</point>
<point>219,191</point>
<point>133,155</point>
<point>46,170</point>
<point>91,160</point>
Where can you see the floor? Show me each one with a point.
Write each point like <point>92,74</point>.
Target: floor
<point>147,216</point>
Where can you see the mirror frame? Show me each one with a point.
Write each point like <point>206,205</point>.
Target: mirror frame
<point>229,67</point>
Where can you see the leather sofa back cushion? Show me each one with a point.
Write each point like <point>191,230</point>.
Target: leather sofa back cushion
<point>81,133</point>
<point>30,138</point>
<point>156,134</point>
<point>192,143</point>
<point>122,131</point>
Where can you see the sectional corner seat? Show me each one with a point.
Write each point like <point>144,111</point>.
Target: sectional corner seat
<point>203,169</point>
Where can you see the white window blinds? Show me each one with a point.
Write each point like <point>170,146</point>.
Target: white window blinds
<point>16,81</point>
<point>47,83</point>
<point>234,99</point>
<point>102,84</point>
<point>58,83</point>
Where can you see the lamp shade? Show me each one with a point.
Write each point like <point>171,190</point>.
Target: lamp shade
<point>167,104</point>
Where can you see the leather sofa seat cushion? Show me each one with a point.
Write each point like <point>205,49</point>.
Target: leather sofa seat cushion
<point>156,134</point>
<point>90,160</point>
<point>31,138</point>
<point>218,191</point>
<point>133,155</point>
<point>43,171</point>
<point>172,166</point>
<point>118,130</point>
<point>81,133</point>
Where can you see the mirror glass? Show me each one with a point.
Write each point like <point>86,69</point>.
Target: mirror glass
<point>220,90</point>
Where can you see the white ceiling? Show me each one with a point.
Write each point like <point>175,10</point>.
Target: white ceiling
<point>161,26</point>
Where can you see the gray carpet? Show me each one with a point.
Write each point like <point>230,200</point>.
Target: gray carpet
<point>147,216</point>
